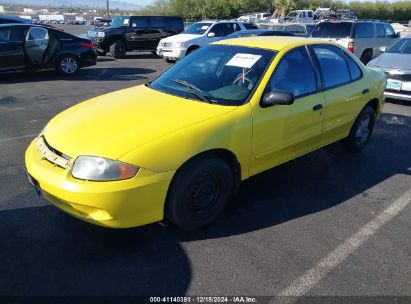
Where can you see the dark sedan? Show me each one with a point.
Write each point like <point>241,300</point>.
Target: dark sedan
<point>33,47</point>
<point>249,33</point>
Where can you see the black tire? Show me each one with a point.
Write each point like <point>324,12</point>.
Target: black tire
<point>101,53</point>
<point>67,65</point>
<point>118,49</point>
<point>169,61</point>
<point>199,192</point>
<point>360,132</point>
<point>366,56</point>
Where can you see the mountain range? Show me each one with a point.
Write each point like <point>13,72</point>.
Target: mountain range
<point>123,5</point>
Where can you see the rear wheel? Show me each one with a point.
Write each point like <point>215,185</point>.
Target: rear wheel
<point>67,65</point>
<point>366,56</point>
<point>199,193</point>
<point>118,49</point>
<point>361,131</point>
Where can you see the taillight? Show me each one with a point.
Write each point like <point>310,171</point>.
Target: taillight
<point>88,45</point>
<point>351,46</point>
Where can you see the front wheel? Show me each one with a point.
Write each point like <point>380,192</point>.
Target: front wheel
<point>101,53</point>
<point>199,193</point>
<point>361,131</point>
<point>67,65</point>
<point>118,49</point>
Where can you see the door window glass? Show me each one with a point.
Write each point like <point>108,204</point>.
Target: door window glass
<point>364,30</point>
<point>354,68</point>
<point>222,29</point>
<point>156,22</point>
<point>7,35</point>
<point>37,33</point>
<point>333,66</point>
<point>139,22</point>
<point>380,30</point>
<point>390,31</point>
<point>294,74</point>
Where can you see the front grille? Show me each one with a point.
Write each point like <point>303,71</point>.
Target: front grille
<point>52,155</point>
<point>401,77</point>
<point>166,44</point>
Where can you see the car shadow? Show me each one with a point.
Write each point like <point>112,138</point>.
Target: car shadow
<point>86,74</point>
<point>46,252</point>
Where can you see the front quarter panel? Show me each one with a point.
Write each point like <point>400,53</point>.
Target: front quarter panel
<point>231,131</point>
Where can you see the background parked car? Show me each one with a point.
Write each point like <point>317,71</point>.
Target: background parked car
<point>13,19</point>
<point>250,33</point>
<point>195,36</point>
<point>396,63</point>
<point>361,37</point>
<point>302,30</point>
<point>134,33</point>
<point>300,16</point>
<point>27,46</point>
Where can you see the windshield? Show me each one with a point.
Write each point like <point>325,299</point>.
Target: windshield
<point>402,46</point>
<point>292,14</point>
<point>120,21</point>
<point>220,74</point>
<point>332,30</point>
<point>197,28</point>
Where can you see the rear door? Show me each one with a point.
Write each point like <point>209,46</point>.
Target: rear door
<point>11,49</point>
<point>381,37</point>
<point>344,87</point>
<point>365,38</point>
<point>37,40</point>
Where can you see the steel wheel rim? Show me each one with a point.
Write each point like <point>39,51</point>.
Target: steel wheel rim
<point>68,65</point>
<point>363,130</point>
<point>204,194</point>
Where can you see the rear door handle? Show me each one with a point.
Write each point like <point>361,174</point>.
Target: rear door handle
<point>366,91</point>
<point>318,107</point>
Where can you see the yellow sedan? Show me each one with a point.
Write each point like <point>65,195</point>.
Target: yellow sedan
<point>179,147</point>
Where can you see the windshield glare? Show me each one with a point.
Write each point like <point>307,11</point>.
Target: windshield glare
<point>292,14</point>
<point>221,74</point>
<point>120,21</point>
<point>402,46</point>
<point>197,28</point>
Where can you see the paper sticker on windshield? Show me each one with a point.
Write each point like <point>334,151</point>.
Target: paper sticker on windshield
<point>126,21</point>
<point>243,60</point>
<point>205,27</point>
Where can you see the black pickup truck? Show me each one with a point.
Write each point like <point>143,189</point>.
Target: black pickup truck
<point>134,33</point>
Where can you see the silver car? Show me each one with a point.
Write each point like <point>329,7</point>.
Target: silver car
<point>396,63</point>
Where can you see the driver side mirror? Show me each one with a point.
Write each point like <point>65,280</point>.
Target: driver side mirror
<point>211,35</point>
<point>277,98</point>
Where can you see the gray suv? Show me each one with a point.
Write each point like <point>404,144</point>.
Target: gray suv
<point>361,37</point>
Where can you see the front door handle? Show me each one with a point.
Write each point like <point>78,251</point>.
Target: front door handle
<point>366,91</point>
<point>318,107</point>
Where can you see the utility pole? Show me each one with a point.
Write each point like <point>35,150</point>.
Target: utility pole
<point>108,9</point>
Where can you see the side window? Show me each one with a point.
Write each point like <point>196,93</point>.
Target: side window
<point>295,28</point>
<point>390,31</point>
<point>236,27</point>
<point>294,74</point>
<point>157,22</point>
<point>364,30</point>
<point>222,29</point>
<point>173,23</point>
<point>333,66</point>
<point>7,35</point>
<point>37,33</point>
<point>355,70</point>
<point>310,14</point>
<point>139,22</point>
<point>380,30</point>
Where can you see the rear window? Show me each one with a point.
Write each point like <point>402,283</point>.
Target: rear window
<point>250,26</point>
<point>332,30</point>
<point>297,29</point>
<point>364,30</point>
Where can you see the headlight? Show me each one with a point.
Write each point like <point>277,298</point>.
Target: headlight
<point>102,169</point>
<point>178,44</point>
<point>101,34</point>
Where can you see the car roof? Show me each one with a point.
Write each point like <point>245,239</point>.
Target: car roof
<point>275,43</point>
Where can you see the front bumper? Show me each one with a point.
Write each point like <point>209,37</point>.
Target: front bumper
<point>404,93</point>
<point>170,53</point>
<point>119,204</point>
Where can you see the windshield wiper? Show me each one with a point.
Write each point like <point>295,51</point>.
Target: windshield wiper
<point>196,91</point>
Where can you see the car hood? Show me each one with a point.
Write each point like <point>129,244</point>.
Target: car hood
<point>181,38</point>
<point>113,124</point>
<point>392,61</point>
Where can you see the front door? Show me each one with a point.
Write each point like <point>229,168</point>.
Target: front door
<point>37,40</point>
<point>283,132</point>
<point>11,49</point>
<point>139,37</point>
